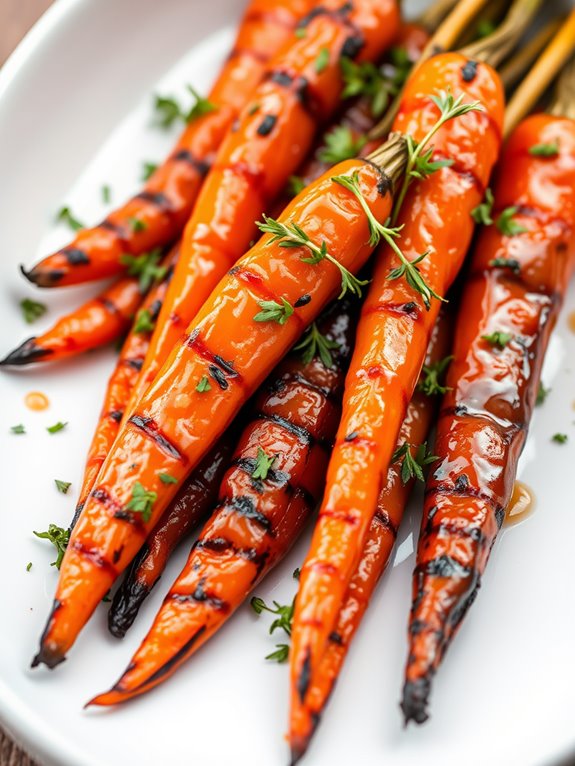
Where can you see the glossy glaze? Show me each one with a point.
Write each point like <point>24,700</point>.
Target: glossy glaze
<point>165,203</point>
<point>392,338</point>
<point>485,417</point>
<point>254,163</point>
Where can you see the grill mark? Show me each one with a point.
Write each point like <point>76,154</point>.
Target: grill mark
<point>343,516</point>
<point>244,506</point>
<point>132,518</point>
<point>201,595</point>
<point>304,436</point>
<point>462,491</point>
<point>218,376</point>
<point>444,566</point>
<point>506,428</point>
<point>352,46</point>
<point>149,427</point>
<point>280,480</point>
<point>96,558</point>
<point>304,676</point>
<point>156,198</point>
<point>302,89</point>
<point>184,155</point>
<point>219,368</point>
<point>410,309</point>
<point>109,305</point>
<point>135,364</point>
<point>75,256</point>
<point>116,228</point>
<point>385,184</point>
<point>382,518</point>
<point>116,415</point>
<point>267,125</point>
<point>154,309</point>
<point>106,500</point>
<point>336,638</point>
<point>222,545</point>
<point>300,378</point>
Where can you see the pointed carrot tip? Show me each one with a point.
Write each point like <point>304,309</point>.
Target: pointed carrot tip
<point>26,353</point>
<point>105,699</point>
<point>41,277</point>
<point>48,658</point>
<point>298,749</point>
<point>415,699</point>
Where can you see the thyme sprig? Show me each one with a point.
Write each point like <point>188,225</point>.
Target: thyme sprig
<point>314,344</point>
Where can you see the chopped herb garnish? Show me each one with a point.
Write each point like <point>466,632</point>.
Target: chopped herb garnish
<point>203,385</point>
<point>292,235</point>
<point>28,566</point>
<point>283,622</point>
<point>165,478</point>
<point>32,310</point>
<point>507,225</point>
<point>148,169</point>
<point>106,193</point>
<point>144,322</point>
<point>314,344</point>
<point>136,224</point>
<point>59,426</point>
<point>542,394</point>
<point>272,311</point>
<point>424,166</point>
<point>560,438</point>
<point>545,150</point>
<point>142,501</point>
<point>19,429</point>
<point>169,110</point>
<point>263,465</point>
<point>432,376</point>
<point>498,338</point>
<point>482,213</point>
<point>144,266</point>
<point>412,465</point>
<point>201,106</point>
<point>63,486</point>
<point>506,263</point>
<point>365,79</point>
<point>59,537</point>
<point>322,60</point>
<point>296,184</point>
<point>340,145</point>
<point>64,215</point>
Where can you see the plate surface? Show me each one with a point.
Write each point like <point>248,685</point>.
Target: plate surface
<point>74,115</point>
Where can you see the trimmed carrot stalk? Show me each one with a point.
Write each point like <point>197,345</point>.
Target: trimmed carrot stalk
<point>226,349</point>
<point>375,557</point>
<point>514,291</point>
<point>165,204</point>
<point>122,380</point>
<point>261,511</point>
<point>189,509</point>
<point>99,321</point>
<point>275,131</point>
<point>392,337</point>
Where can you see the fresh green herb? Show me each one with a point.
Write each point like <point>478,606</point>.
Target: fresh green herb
<point>545,150</point>
<point>424,166</point>
<point>498,338</point>
<point>412,465</point>
<point>560,438</point>
<point>542,394</point>
<point>148,169</point>
<point>142,501</point>
<point>203,385</point>
<point>507,225</point>
<point>59,537</point>
<point>407,269</point>
<point>253,109</point>
<point>62,486</point>
<point>314,344</point>
<point>283,622</point>
<point>28,566</point>
<point>322,60</point>
<point>272,311</point>
<point>482,213</point>
<point>292,235</point>
<point>296,185</point>
<point>59,426</point>
<point>201,106</point>
<point>64,215</point>
<point>169,110</point>
<point>506,263</point>
<point>19,429</point>
<point>106,194</point>
<point>484,28</point>
<point>400,57</point>
<point>144,266</point>
<point>263,465</point>
<point>136,224</point>
<point>166,478</point>
<point>144,322</point>
<point>432,377</point>
<point>32,310</point>
<point>340,145</point>
<point>365,79</point>
<point>300,33</point>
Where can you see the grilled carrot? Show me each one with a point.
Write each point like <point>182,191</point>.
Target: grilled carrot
<point>123,378</point>
<point>517,282</point>
<point>99,321</point>
<point>267,495</point>
<point>303,85</point>
<point>392,337</point>
<point>164,205</point>
<point>376,553</point>
<point>227,352</point>
<point>188,509</point>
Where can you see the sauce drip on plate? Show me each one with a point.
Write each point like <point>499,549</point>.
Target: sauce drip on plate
<point>521,504</point>
<point>36,401</point>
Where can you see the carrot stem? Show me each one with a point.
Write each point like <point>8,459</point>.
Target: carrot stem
<point>563,104</point>
<point>512,71</point>
<point>432,17</point>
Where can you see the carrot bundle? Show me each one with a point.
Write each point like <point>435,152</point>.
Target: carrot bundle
<point>256,314</point>
<point>164,205</point>
<point>518,278</point>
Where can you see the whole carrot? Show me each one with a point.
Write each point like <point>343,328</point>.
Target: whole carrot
<point>393,334</point>
<point>303,86</point>
<point>164,205</point>
<point>515,288</point>
<point>380,539</point>
<point>99,321</point>
<point>256,314</point>
<point>266,496</point>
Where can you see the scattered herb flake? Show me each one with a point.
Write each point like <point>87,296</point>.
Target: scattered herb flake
<point>144,266</point>
<point>144,322</point>
<point>136,224</point>
<point>412,465</point>
<point>19,429</point>
<point>64,215</point>
<point>203,385</point>
<point>106,194</point>
<point>283,622</point>
<point>166,478</point>
<point>295,186</point>
<point>148,169</point>
<point>300,33</point>
<point>560,438</point>
<point>59,426</point>
<point>201,106</point>
<point>542,394</point>
<point>545,150</point>
<point>498,338</point>
<point>340,145</point>
<point>59,537</point>
<point>322,60</point>
<point>142,501</point>
<point>483,212</point>
<point>263,465</point>
<point>507,225</point>
<point>62,486</point>
<point>28,566</point>
<point>32,310</point>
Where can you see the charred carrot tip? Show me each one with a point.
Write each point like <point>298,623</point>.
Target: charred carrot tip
<point>42,278</point>
<point>125,607</point>
<point>415,699</point>
<point>105,699</point>
<point>26,353</point>
<point>47,657</point>
<point>298,750</point>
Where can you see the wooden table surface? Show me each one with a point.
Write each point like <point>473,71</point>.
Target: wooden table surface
<point>16,18</point>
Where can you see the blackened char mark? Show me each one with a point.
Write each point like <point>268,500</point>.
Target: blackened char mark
<point>75,256</point>
<point>47,656</point>
<point>27,353</point>
<point>218,376</point>
<point>243,505</point>
<point>304,436</point>
<point>415,699</point>
<point>469,71</point>
<point>151,429</point>
<point>384,184</point>
<point>156,198</point>
<point>267,125</point>
<point>352,46</point>
<point>201,595</point>
<point>129,597</point>
<point>304,677</point>
<point>302,301</point>
<point>184,155</point>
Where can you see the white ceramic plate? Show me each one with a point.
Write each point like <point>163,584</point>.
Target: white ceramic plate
<point>75,114</point>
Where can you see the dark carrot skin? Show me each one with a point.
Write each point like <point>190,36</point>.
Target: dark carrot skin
<point>165,203</point>
<point>256,521</point>
<point>99,321</point>
<point>121,383</point>
<point>189,509</point>
<point>378,548</point>
<point>392,338</point>
<point>485,417</point>
<point>274,133</point>
<point>175,425</point>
